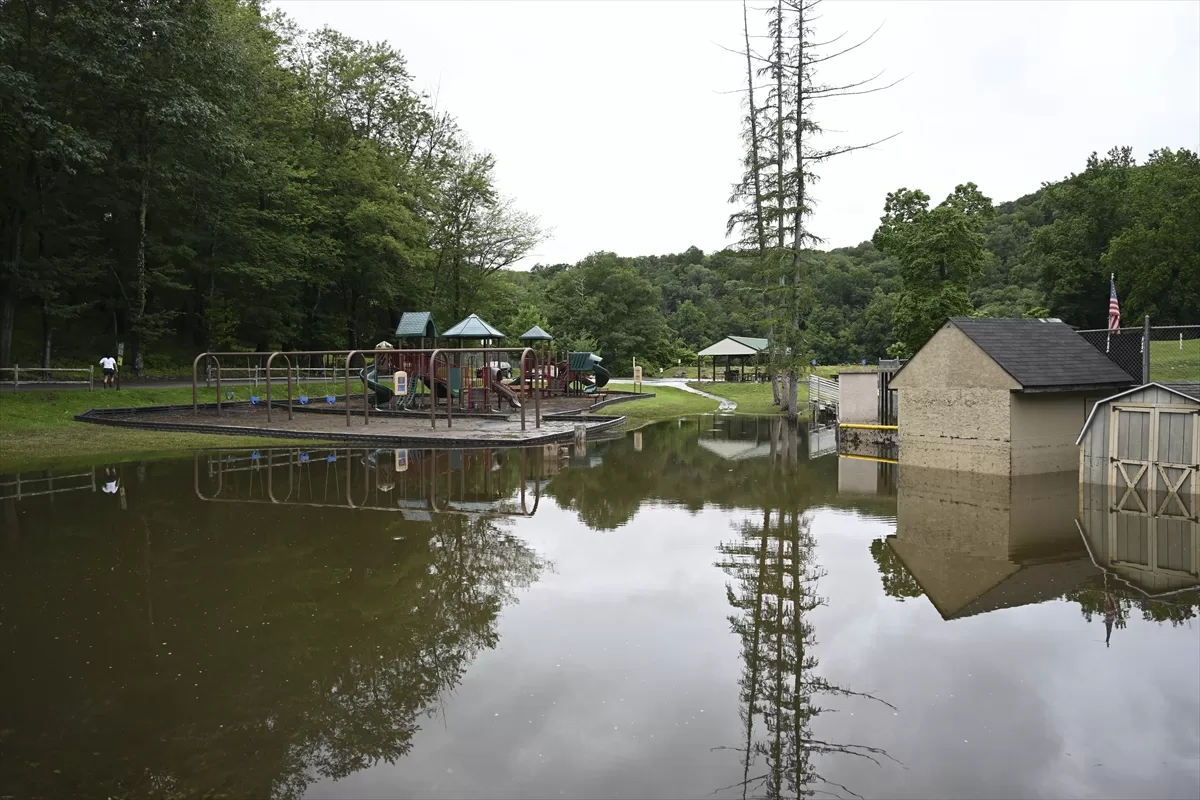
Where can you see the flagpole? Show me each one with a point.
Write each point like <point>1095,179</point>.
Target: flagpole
<point>1112,278</point>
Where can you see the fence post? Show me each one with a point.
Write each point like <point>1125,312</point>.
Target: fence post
<point>16,377</point>
<point>1146,350</point>
<point>91,378</point>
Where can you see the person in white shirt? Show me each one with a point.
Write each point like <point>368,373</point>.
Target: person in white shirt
<point>109,365</point>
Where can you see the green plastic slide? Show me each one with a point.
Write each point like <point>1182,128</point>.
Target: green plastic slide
<point>602,377</point>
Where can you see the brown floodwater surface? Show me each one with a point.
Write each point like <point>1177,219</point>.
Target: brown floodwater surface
<point>711,607</point>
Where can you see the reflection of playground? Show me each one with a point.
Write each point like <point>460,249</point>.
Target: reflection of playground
<point>416,483</point>
<point>23,485</point>
<point>977,543</point>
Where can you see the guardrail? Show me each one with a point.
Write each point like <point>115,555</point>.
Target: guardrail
<point>17,374</point>
<point>822,391</point>
<point>256,375</point>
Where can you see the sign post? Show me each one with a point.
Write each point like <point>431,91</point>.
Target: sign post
<point>637,379</point>
<point>120,361</point>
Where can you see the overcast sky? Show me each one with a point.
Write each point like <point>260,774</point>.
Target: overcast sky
<point>611,120</point>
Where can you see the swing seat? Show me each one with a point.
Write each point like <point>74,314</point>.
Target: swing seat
<point>303,400</point>
<point>331,458</point>
<point>254,456</point>
<point>330,399</point>
<point>253,399</point>
<point>304,458</point>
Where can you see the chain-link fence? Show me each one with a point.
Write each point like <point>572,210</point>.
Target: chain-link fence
<point>1173,357</point>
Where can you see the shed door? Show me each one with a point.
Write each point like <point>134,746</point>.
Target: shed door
<point>1154,457</point>
<point>1131,436</point>
<point>1175,462</point>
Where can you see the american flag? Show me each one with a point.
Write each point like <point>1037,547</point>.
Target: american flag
<point>1114,308</point>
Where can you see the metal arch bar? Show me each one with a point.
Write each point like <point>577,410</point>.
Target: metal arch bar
<point>433,390</point>
<point>288,359</point>
<point>196,382</point>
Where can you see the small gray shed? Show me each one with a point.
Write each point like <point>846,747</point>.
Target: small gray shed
<point>1145,442</point>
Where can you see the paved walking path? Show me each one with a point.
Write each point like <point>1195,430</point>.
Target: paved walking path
<point>680,383</point>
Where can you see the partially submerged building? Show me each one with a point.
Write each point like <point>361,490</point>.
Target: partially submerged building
<point>1000,396</point>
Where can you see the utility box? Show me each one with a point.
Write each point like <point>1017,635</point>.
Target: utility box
<point>400,383</point>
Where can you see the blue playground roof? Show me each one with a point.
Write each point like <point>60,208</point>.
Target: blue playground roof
<point>416,325</point>
<point>536,333</point>
<point>472,328</point>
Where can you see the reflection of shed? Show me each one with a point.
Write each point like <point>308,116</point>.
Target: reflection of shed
<point>1146,443</point>
<point>977,543</point>
<point>1155,553</point>
<point>1000,396</point>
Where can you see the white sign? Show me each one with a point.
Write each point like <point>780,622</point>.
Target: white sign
<point>637,374</point>
<point>400,383</point>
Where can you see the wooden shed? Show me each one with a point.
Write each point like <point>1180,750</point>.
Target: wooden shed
<point>1145,442</point>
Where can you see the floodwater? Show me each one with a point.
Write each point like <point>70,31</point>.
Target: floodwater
<point>696,610</point>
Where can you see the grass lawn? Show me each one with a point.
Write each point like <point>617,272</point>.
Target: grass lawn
<point>39,427</point>
<point>1168,363</point>
<point>667,403</point>
<point>751,398</point>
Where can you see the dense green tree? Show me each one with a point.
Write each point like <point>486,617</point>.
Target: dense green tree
<point>940,251</point>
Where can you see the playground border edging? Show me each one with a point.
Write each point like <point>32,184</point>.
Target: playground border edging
<point>106,417</point>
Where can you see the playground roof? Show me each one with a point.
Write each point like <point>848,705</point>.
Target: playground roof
<point>750,341</point>
<point>416,325</point>
<point>732,346</point>
<point>472,328</point>
<point>537,333</point>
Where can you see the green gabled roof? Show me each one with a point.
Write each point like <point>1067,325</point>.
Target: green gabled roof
<point>750,341</point>
<point>536,334</point>
<point>472,328</point>
<point>416,325</point>
<point>582,361</point>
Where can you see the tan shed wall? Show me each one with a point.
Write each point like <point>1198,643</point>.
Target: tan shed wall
<point>951,360</point>
<point>858,397</point>
<point>954,407</point>
<point>1044,429</point>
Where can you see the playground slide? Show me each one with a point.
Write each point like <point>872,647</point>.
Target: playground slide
<point>383,392</point>
<point>503,390</point>
<point>601,381</point>
<point>507,393</point>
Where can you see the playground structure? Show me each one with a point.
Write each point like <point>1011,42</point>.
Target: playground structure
<point>442,381</point>
<point>417,483</point>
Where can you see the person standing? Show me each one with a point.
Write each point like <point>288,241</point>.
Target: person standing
<point>109,366</point>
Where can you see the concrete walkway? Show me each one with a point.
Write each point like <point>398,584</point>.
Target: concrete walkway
<point>727,405</point>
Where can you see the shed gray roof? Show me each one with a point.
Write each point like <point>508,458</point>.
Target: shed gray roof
<point>472,328</point>
<point>1043,355</point>
<point>416,325</point>
<point>536,334</point>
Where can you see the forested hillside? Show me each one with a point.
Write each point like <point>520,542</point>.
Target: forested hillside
<point>190,175</point>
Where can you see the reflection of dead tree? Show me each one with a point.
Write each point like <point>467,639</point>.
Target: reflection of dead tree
<point>773,590</point>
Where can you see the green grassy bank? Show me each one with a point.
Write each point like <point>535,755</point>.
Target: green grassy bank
<point>39,427</point>
<point>667,403</point>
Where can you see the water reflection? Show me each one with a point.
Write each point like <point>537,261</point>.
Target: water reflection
<point>343,622</point>
<point>193,648</point>
<point>413,482</point>
<point>774,575</point>
<point>973,544</point>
